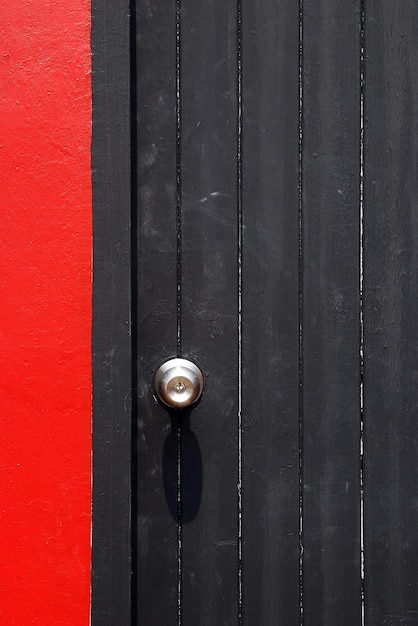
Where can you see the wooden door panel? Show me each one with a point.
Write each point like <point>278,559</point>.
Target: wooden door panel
<point>390,313</point>
<point>270,218</point>
<point>112,564</point>
<point>209,310</point>
<point>331,313</point>
<point>270,312</point>
<point>156,514</point>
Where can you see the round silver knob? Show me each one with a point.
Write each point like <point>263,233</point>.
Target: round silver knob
<point>178,383</point>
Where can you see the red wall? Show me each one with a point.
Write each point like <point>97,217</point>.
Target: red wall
<point>45,313</point>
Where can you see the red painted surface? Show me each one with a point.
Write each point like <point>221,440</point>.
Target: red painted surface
<point>45,313</point>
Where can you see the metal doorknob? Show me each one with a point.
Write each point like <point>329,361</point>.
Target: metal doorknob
<point>178,383</point>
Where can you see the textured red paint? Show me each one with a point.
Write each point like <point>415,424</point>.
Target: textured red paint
<point>45,291</point>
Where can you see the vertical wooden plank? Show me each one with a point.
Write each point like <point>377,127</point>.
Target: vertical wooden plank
<point>391,322</point>
<point>112,377</point>
<point>209,308</point>
<point>331,313</point>
<point>156,504</point>
<point>270,305</point>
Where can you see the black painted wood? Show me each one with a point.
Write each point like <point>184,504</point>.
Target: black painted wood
<point>156,312</point>
<point>111,341</point>
<point>187,212</point>
<point>209,309</point>
<point>270,305</point>
<point>331,313</point>
<point>391,303</point>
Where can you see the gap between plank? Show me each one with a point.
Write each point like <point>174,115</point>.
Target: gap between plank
<point>300,279</point>
<point>179,212</point>
<point>179,272</point>
<point>361,287</point>
<point>179,521</point>
<point>239,321</point>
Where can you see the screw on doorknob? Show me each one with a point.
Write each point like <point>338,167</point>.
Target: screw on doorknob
<point>178,383</point>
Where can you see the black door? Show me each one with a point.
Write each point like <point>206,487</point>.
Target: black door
<point>256,212</point>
